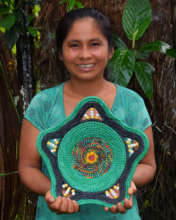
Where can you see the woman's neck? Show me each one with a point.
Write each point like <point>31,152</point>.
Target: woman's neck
<point>81,89</point>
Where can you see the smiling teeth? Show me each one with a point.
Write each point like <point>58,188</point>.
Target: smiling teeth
<point>86,65</point>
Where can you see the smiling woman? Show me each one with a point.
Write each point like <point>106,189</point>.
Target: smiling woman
<point>84,43</point>
<point>85,53</point>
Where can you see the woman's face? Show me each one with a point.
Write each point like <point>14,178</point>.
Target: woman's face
<point>85,50</point>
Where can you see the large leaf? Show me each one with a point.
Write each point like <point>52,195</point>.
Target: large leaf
<point>122,65</point>
<point>143,72</point>
<point>142,55</point>
<point>159,46</point>
<point>8,21</point>
<point>136,18</point>
<point>119,43</point>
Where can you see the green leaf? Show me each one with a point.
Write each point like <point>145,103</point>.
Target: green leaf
<point>159,46</point>
<point>29,19</point>
<point>4,10</point>
<point>2,29</point>
<point>71,5</point>
<point>79,5</point>
<point>143,72</point>
<point>119,43</point>
<point>122,65</point>
<point>32,31</point>
<point>12,35</point>
<point>143,55</point>
<point>62,2</point>
<point>171,53</point>
<point>36,10</point>
<point>136,18</point>
<point>8,21</point>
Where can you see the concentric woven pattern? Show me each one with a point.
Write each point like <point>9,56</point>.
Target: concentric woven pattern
<point>104,171</point>
<point>92,156</point>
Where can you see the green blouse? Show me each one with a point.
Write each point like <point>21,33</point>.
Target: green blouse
<point>47,110</point>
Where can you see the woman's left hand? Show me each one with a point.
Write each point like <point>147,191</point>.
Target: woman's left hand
<point>128,203</point>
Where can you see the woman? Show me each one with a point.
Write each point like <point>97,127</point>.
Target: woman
<point>85,44</point>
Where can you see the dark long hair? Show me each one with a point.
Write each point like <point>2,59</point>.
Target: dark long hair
<point>67,21</point>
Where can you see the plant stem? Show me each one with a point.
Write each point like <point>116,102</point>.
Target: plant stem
<point>8,174</point>
<point>134,39</point>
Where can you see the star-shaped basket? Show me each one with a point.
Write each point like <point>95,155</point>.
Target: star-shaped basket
<point>91,156</point>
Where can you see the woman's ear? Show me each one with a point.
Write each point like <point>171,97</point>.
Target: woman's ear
<point>111,52</point>
<point>60,55</point>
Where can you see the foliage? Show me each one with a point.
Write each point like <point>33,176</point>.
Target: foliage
<point>72,4</point>
<point>136,19</point>
<point>12,17</point>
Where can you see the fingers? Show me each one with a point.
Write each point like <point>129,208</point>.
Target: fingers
<point>61,204</point>
<point>106,209</point>
<point>49,198</point>
<point>128,203</point>
<point>116,208</point>
<point>76,206</point>
<point>65,205</point>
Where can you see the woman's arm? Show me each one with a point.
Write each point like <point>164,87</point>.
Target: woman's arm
<point>32,177</point>
<point>144,173</point>
<point>146,169</point>
<point>30,162</point>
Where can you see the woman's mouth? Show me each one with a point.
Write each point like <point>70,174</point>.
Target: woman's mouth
<point>86,67</point>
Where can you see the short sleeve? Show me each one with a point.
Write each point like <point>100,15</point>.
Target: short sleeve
<point>138,114</point>
<point>37,111</point>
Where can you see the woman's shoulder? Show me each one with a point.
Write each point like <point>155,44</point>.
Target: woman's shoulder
<point>48,91</point>
<point>128,93</point>
<point>47,94</point>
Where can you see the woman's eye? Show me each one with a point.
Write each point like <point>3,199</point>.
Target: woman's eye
<point>95,44</point>
<point>74,45</point>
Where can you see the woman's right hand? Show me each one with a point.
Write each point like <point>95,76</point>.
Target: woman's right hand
<point>61,205</point>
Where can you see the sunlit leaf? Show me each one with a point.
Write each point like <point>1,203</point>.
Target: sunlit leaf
<point>122,65</point>
<point>2,29</point>
<point>136,18</point>
<point>32,31</point>
<point>71,5</point>
<point>36,10</point>
<point>14,49</point>
<point>79,5</point>
<point>159,46</point>
<point>143,72</point>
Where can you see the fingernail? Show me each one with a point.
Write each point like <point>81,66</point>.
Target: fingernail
<point>51,199</point>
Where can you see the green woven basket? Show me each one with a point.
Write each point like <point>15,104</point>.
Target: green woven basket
<point>91,156</point>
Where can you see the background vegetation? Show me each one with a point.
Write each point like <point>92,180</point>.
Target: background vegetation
<point>144,60</point>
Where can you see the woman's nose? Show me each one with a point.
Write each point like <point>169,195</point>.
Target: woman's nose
<point>85,52</point>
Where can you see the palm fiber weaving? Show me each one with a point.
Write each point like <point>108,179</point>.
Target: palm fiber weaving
<point>92,155</point>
